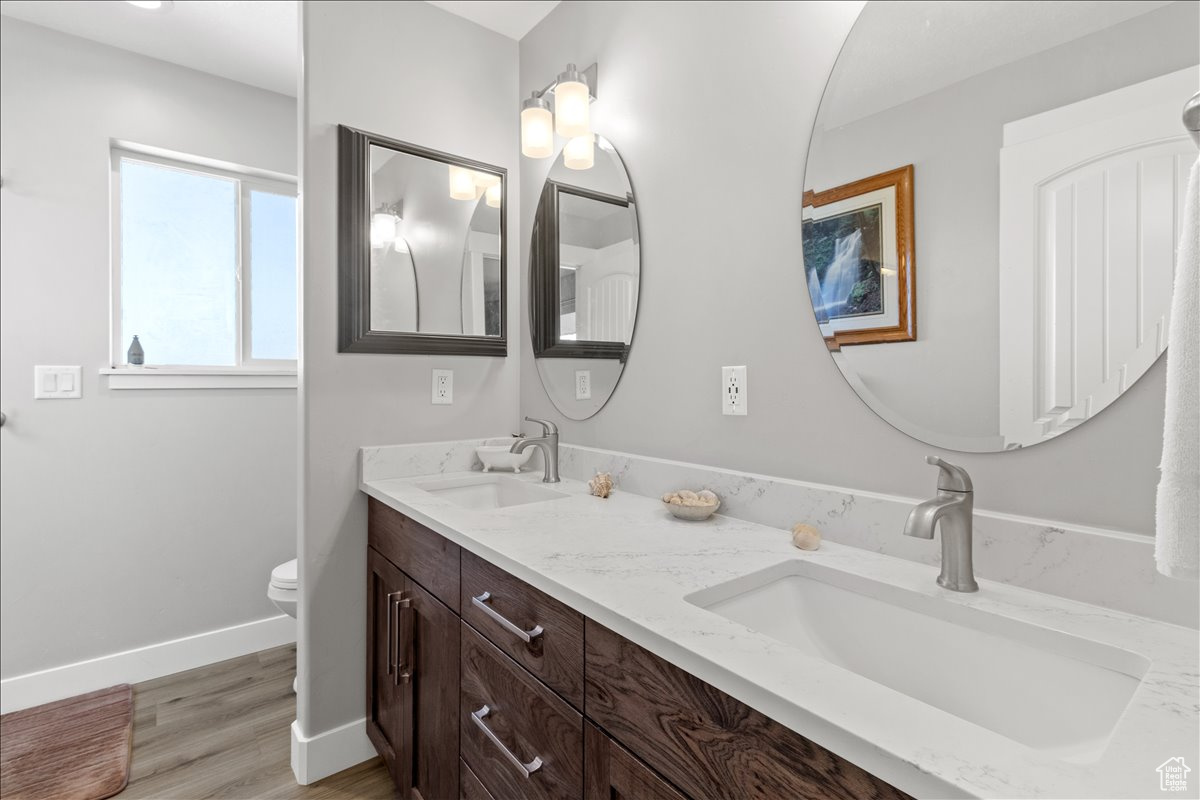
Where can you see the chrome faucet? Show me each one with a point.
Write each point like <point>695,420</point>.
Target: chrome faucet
<point>952,508</point>
<point>547,443</point>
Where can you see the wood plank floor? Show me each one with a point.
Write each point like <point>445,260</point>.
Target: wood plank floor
<point>223,731</point>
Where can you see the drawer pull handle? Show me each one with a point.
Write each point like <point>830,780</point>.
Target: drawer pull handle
<point>526,769</point>
<point>481,602</point>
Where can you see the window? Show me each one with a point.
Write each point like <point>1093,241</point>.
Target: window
<point>204,265</point>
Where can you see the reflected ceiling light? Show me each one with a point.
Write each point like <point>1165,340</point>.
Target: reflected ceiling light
<point>572,92</point>
<point>150,5</point>
<point>462,183</point>
<point>493,195</point>
<point>401,245</point>
<point>580,152</point>
<point>571,104</point>
<point>537,128</point>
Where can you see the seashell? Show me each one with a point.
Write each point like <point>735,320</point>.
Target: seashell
<point>708,497</point>
<point>806,537</point>
<point>687,494</point>
<point>601,485</point>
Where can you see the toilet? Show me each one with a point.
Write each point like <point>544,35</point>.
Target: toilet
<point>282,592</point>
<point>282,588</point>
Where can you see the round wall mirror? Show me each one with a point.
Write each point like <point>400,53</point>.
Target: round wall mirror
<point>991,209</point>
<point>585,269</point>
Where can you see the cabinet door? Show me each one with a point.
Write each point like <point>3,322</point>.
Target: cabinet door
<point>432,648</point>
<point>612,773</point>
<point>388,693</point>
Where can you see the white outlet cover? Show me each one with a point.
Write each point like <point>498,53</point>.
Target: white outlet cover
<point>733,391</point>
<point>57,383</point>
<point>443,387</point>
<point>583,384</point>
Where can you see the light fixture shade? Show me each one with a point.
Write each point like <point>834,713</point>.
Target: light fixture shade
<point>580,152</point>
<point>462,183</point>
<point>383,228</point>
<point>571,104</point>
<point>486,180</point>
<point>493,195</point>
<point>400,245</point>
<point>537,128</point>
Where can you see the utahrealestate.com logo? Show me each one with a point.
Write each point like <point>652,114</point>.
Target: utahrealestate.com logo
<point>1172,775</point>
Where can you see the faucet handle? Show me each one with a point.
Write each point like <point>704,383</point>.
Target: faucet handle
<point>951,477</point>
<point>548,428</point>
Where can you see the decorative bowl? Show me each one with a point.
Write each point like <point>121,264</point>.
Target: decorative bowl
<point>695,506</point>
<point>497,456</point>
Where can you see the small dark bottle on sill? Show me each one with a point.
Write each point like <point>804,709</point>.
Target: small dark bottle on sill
<point>136,356</point>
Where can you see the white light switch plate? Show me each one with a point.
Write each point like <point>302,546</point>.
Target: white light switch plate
<point>56,383</point>
<point>733,391</point>
<point>443,387</point>
<point>583,384</point>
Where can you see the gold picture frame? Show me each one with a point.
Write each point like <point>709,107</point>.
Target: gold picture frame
<point>896,190</point>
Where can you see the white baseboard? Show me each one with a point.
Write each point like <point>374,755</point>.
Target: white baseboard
<point>145,663</point>
<point>317,757</point>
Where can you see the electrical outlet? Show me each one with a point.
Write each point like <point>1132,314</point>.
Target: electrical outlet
<point>583,384</point>
<point>443,387</point>
<point>733,391</point>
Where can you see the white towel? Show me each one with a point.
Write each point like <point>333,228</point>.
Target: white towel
<point>1177,534</point>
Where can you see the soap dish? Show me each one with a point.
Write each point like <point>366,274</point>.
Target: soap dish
<point>691,506</point>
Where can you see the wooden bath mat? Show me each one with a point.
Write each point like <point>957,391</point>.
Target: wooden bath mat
<point>73,749</point>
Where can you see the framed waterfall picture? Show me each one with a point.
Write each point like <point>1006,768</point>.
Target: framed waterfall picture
<point>858,259</point>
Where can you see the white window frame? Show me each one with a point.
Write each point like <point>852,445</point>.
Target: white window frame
<point>247,371</point>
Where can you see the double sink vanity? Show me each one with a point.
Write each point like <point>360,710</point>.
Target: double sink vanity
<point>530,640</point>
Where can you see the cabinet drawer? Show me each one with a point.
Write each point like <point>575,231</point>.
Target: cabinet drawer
<point>518,737</point>
<point>704,741</point>
<point>428,557</point>
<point>472,788</point>
<point>537,631</point>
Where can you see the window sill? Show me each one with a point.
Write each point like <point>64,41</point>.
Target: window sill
<point>185,378</point>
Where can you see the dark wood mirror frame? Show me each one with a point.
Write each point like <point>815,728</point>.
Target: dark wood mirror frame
<point>544,310</point>
<point>354,256</point>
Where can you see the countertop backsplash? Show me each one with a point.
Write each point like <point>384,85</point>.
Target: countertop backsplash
<point>1106,568</point>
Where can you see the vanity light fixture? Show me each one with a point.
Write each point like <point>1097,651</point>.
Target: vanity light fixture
<point>493,195</point>
<point>571,104</point>
<point>462,183</point>
<point>537,128</point>
<point>580,152</point>
<point>384,226</point>
<point>572,92</point>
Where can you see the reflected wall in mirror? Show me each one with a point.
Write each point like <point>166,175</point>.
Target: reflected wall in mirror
<point>1048,171</point>
<point>585,271</point>
<point>422,250</point>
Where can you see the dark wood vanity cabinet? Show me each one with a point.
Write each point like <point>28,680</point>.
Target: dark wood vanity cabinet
<point>413,677</point>
<point>484,688</point>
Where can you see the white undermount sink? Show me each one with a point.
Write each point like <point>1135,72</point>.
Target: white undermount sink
<point>1054,692</point>
<point>483,492</point>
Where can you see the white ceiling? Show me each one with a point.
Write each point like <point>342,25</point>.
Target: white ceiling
<point>250,42</point>
<point>899,51</point>
<point>513,18</point>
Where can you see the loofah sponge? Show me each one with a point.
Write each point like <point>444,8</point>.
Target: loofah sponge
<point>806,537</point>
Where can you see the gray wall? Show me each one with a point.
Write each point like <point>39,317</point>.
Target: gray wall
<point>129,517</point>
<point>730,149</point>
<point>953,138</point>
<point>421,75</point>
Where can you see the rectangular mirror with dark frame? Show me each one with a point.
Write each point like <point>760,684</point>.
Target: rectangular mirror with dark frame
<point>421,247</point>
<point>584,273</point>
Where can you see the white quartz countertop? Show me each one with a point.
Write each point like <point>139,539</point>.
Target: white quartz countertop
<point>627,564</point>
